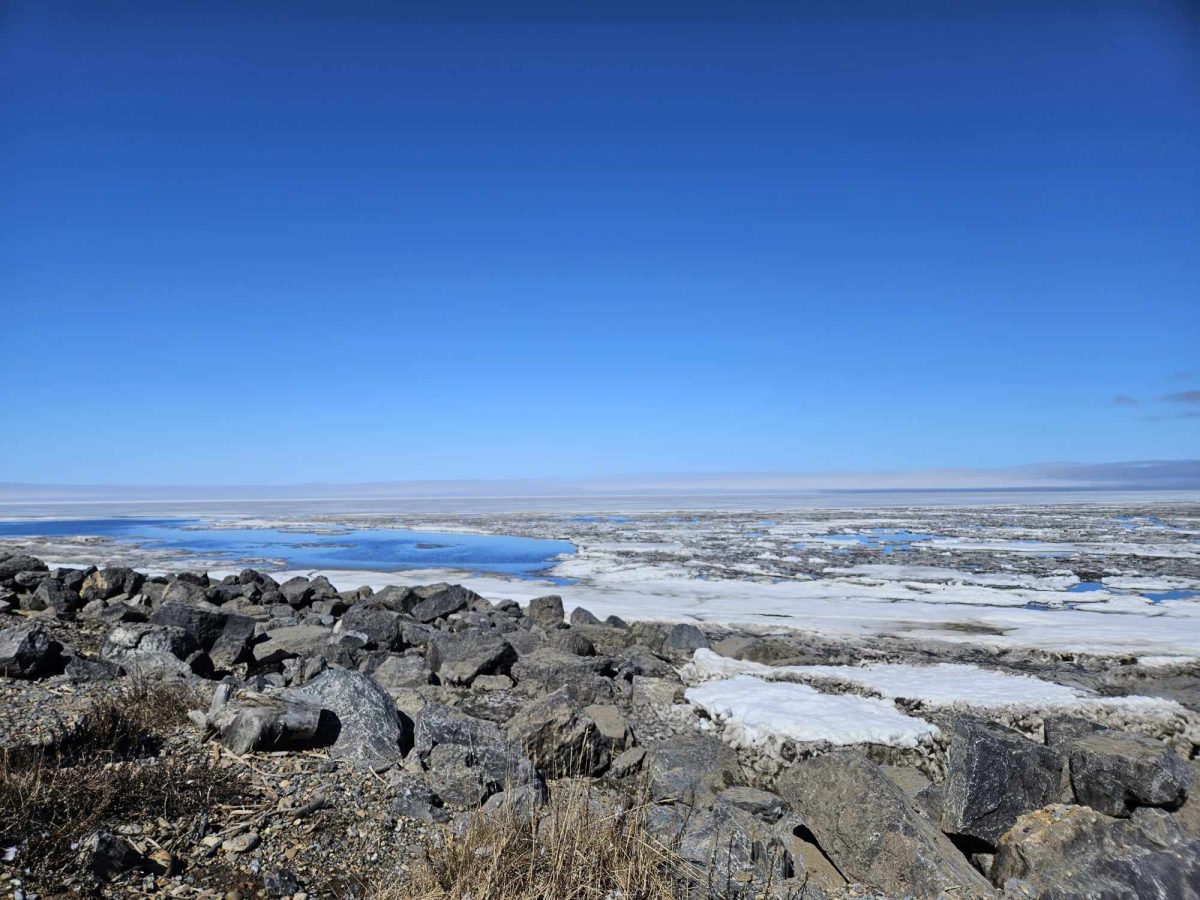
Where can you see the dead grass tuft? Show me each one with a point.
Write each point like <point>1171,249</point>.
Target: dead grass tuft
<point>102,775</point>
<point>572,849</point>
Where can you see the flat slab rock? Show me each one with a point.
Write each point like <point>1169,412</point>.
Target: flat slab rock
<point>866,825</point>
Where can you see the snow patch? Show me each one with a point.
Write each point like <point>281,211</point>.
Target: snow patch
<point>755,712</point>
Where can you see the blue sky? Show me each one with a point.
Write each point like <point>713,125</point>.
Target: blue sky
<point>304,245</point>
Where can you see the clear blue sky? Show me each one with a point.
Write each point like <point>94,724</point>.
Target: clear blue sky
<point>305,245</point>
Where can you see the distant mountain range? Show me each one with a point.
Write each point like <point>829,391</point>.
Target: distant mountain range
<point>1183,474</point>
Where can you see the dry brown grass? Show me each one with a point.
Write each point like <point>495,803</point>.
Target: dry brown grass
<point>103,774</point>
<point>572,849</point>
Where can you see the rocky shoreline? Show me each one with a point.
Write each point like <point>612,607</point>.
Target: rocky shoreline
<point>346,739</point>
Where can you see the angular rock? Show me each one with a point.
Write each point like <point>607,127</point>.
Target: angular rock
<point>399,672</point>
<point>580,616</point>
<point>26,651</point>
<point>546,611</point>
<point>864,823</point>
<point>110,582</point>
<point>689,768</point>
<point>560,738</point>
<point>383,627</point>
<point>1077,853</point>
<point>446,601</point>
<point>437,724</point>
<point>1115,772</point>
<point>13,564</point>
<point>614,730</point>
<point>146,649</point>
<point>54,595</point>
<point>224,634</point>
<point>994,775</point>
<point>292,641</point>
<point>369,727</point>
<point>297,592</point>
<point>459,658</point>
<point>683,640</point>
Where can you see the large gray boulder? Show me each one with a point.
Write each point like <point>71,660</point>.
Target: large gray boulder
<point>247,720</point>
<point>458,658</point>
<point>994,775</point>
<point>369,727</point>
<point>546,611</point>
<point>865,824</point>
<point>1076,853</point>
<point>28,652</point>
<point>1114,771</point>
<point>561,739</point>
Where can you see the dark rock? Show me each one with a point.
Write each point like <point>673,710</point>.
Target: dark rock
<point>683,640</point>
<point>994,775</point>
<point>615,622</point>
<point>446,601</point>
<point>459,658</point>
<point>54,595</point>
<point>396,599</point>
<point>26,651</point>
<point>1077,853</point>
<point>370,728</point>
<point>105,855</point>
<point>383,627</point>
<point>15,563</point>
<point>1114,771</point>
<point>225,635</point>
<point>864,823</point>
<point>580,616</point>
<point>546,611</point>
<point>297,592</point>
